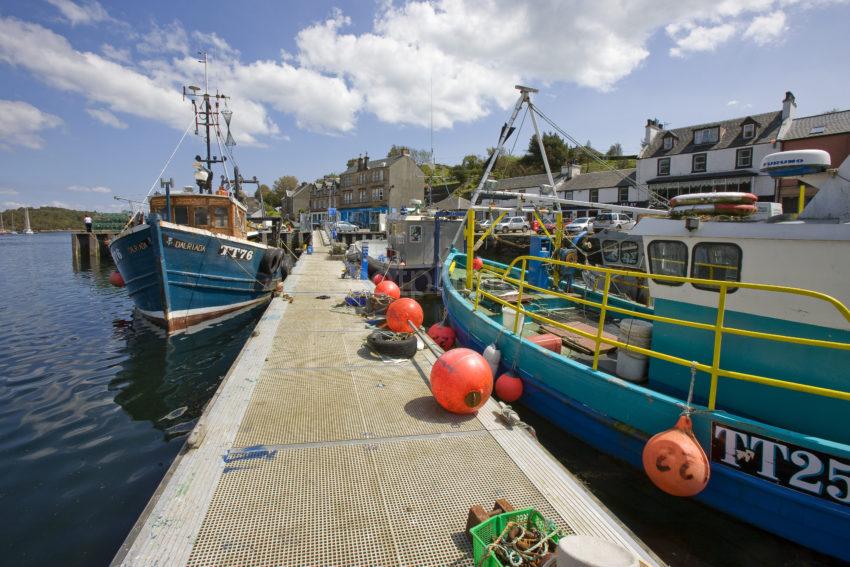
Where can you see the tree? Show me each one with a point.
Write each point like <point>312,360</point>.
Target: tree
<point>270,198</point>
<point>557,153</point>
<point>616,150</point>
<point>284,184</point>
<point>421,156</point>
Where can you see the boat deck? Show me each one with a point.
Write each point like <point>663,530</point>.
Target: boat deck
<point>315,451</point>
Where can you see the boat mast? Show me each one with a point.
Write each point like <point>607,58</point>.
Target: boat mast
<point>205,118</point>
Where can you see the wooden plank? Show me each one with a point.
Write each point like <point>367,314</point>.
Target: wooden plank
<point>578,342</point>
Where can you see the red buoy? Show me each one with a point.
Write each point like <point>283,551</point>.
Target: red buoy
<point>388,288</point>
<point>508,388</point>
<point>477,264</point>
<point>116,279</point>
<point>378,278</point>
<point>461,381</point>
<point>443,335</point>
<point>400,312</point>
<point>675,462</point>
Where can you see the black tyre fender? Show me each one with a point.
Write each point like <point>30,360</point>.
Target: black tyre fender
<point>270,262</point>
<point>392,344</point>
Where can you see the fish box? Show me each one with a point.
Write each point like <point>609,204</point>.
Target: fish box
<point>547,341</point>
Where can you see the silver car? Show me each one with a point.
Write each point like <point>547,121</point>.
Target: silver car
<point>512,224</point>
<point>579,224</point>
<point>616,221</point>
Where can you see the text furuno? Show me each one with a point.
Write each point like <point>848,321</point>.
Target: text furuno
<point>235,253</point>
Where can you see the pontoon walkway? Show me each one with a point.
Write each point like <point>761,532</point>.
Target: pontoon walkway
<point>315,452</point>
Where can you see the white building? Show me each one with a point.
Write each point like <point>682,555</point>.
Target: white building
<point>717,156</point>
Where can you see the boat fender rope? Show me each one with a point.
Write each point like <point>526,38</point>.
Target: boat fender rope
<point>512,419</point>
<point>688,410</point>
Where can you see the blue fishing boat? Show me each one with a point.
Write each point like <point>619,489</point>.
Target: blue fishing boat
<point>188,260</point>
<point>760,369</point>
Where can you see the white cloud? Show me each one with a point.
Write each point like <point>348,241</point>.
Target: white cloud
<point>171,38</point>
<point>115,53</point>
<point>700,38</point>
<point>106,117</point>
<point>733,103</point>
<point>13,205</point>
<point>21,124</point>
<point>7,191</point>
<point>85,189</point>
<point>766,29</point>
<point>88,13</point>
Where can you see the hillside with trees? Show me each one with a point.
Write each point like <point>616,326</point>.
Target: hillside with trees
<point>46,218</point>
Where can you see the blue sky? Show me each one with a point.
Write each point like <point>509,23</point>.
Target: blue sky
<point>91,106</point>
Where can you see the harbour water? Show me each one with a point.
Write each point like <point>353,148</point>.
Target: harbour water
<point>94,403</point>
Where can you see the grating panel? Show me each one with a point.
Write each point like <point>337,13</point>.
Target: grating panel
<point>318,506</point>
<point>301,406</point>
<point>307,349</point>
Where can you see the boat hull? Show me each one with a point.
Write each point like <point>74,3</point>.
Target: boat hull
<point>181,276</point>
<point>618,417</point>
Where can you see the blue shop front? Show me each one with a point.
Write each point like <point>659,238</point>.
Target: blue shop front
<point>364,217</point>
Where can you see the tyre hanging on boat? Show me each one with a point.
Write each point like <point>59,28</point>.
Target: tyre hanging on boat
<point>270,263</point>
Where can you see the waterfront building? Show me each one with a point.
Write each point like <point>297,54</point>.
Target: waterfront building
<point>371,187</point>
<point>323,194</point>
<point>295,202</point>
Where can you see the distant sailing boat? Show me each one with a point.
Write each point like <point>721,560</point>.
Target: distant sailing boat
<point>27,229</point>
<point>13,231</point>
<point>2,228</point>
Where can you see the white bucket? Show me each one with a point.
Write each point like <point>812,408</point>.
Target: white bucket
<point>589,551</point>
<point>509,316</point>
<point>631,366</point>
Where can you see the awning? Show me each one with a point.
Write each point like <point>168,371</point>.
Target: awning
<point>689,181</point>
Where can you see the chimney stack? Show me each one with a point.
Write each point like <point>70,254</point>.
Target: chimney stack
<point>653,127</point>
<point>405,152</point>
<point>789,104</point>
<point>366,161</point>
<point>571,170</point>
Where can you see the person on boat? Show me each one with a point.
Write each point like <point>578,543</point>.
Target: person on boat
<point>88,222</point>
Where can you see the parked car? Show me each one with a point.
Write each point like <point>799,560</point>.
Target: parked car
<point>484,225</point>
<point>343,226</point>
<point>512,224</point>
<point>549,224</point>
<point>616,221</point>
<point>579,224</point>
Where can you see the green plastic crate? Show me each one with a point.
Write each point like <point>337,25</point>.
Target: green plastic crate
<point>484,533</point>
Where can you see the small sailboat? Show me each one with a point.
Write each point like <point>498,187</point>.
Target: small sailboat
<point>189,259</point>
<point>3,230</point>
<point>27,228</point>
<point>12,230</point>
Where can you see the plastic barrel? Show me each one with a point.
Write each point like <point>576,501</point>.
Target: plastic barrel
<point>631,366</point>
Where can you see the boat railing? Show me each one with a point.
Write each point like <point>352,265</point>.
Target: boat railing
<point>718,328</point>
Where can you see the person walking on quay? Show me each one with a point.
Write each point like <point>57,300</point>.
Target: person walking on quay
<point>87,221</point>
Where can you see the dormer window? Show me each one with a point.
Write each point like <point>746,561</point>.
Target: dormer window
<point>749,131</point>
<point>707,136</point>
<point>668,142</point>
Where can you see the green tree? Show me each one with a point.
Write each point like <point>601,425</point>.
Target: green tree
<point>270,198</point>
<point>468,172</point>
<point>284,184</point>
<point>557,153</point>
<point>616,150</point>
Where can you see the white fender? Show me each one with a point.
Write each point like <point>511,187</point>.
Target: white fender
<point>492,355</point>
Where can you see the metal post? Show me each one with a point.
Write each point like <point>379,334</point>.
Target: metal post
<point>601,326</point>
<point>718,341</point>
<point>470,242</point>
<point>519,297</point>
<point>364,262</point>
<point>801,203</point>
<point>166,184</point>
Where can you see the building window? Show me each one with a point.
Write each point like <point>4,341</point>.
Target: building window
<point>716,261</point>
<point>706,136</point>
<point>377,194</point>
<point>622,194</point>
<point>698,163</point>
<point>668,142</point>
<point>744,158</point>
<point>362,195</point>
<point>664,166</point>
<point>749,131</point>
<point>568,195</point>
<point>668,258</point>
<point>346,197</point>
<point>181,215</point>
<point>202,217</point>
<point>594,196</point>
<point>220,217</point>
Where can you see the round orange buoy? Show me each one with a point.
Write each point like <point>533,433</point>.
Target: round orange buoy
<point>477,264</point>
<point>443,335</point>
<point>388,288</point>
<point>401,311</point>
<point>116,279</point>
<point>508,388</point>
<point>378,279</point>
<point>461,381</point>
<point>675,462</point>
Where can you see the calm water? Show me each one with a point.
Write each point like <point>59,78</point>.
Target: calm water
<point>94,403</point>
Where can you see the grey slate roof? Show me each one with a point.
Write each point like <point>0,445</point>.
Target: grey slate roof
<point>374,163</point>
<point>524,182</point>
<point>731,135</point>
<point>452,203</point>
<point>832,122</point>
<point>599,180</point>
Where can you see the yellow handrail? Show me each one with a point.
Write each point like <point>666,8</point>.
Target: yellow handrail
<point>718,328</point>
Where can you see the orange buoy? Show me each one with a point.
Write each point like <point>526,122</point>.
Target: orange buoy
<point>508,388</point>
<point>477,264</point>
<point>388,288</point>
<point>378,279</point>
<point>461,381</point>
<point>443,335</point>
<point>401,311</point>
<point>675,462</point>
<point>116,279</point>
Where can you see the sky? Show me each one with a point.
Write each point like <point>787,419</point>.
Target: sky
<point>91,106</point>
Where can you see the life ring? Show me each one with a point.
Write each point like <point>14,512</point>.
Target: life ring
<point>729,209</point>
<point>728,197</point>
<point>394,345</point>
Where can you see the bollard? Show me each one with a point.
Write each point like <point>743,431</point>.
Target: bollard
<point>364,263</point>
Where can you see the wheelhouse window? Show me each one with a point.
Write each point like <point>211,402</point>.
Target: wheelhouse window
<point>716,261</point>
<point>744,158</point>
<point>707,136</point>
<point>749,131</point>
<point>668,258</point>
<point>611,251</point>
<point>220,217</point>
<point>202,217</point>
<point>699,162</point>
<point>181,215</point>
<point>664,166</point>
<point>629,252</point>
